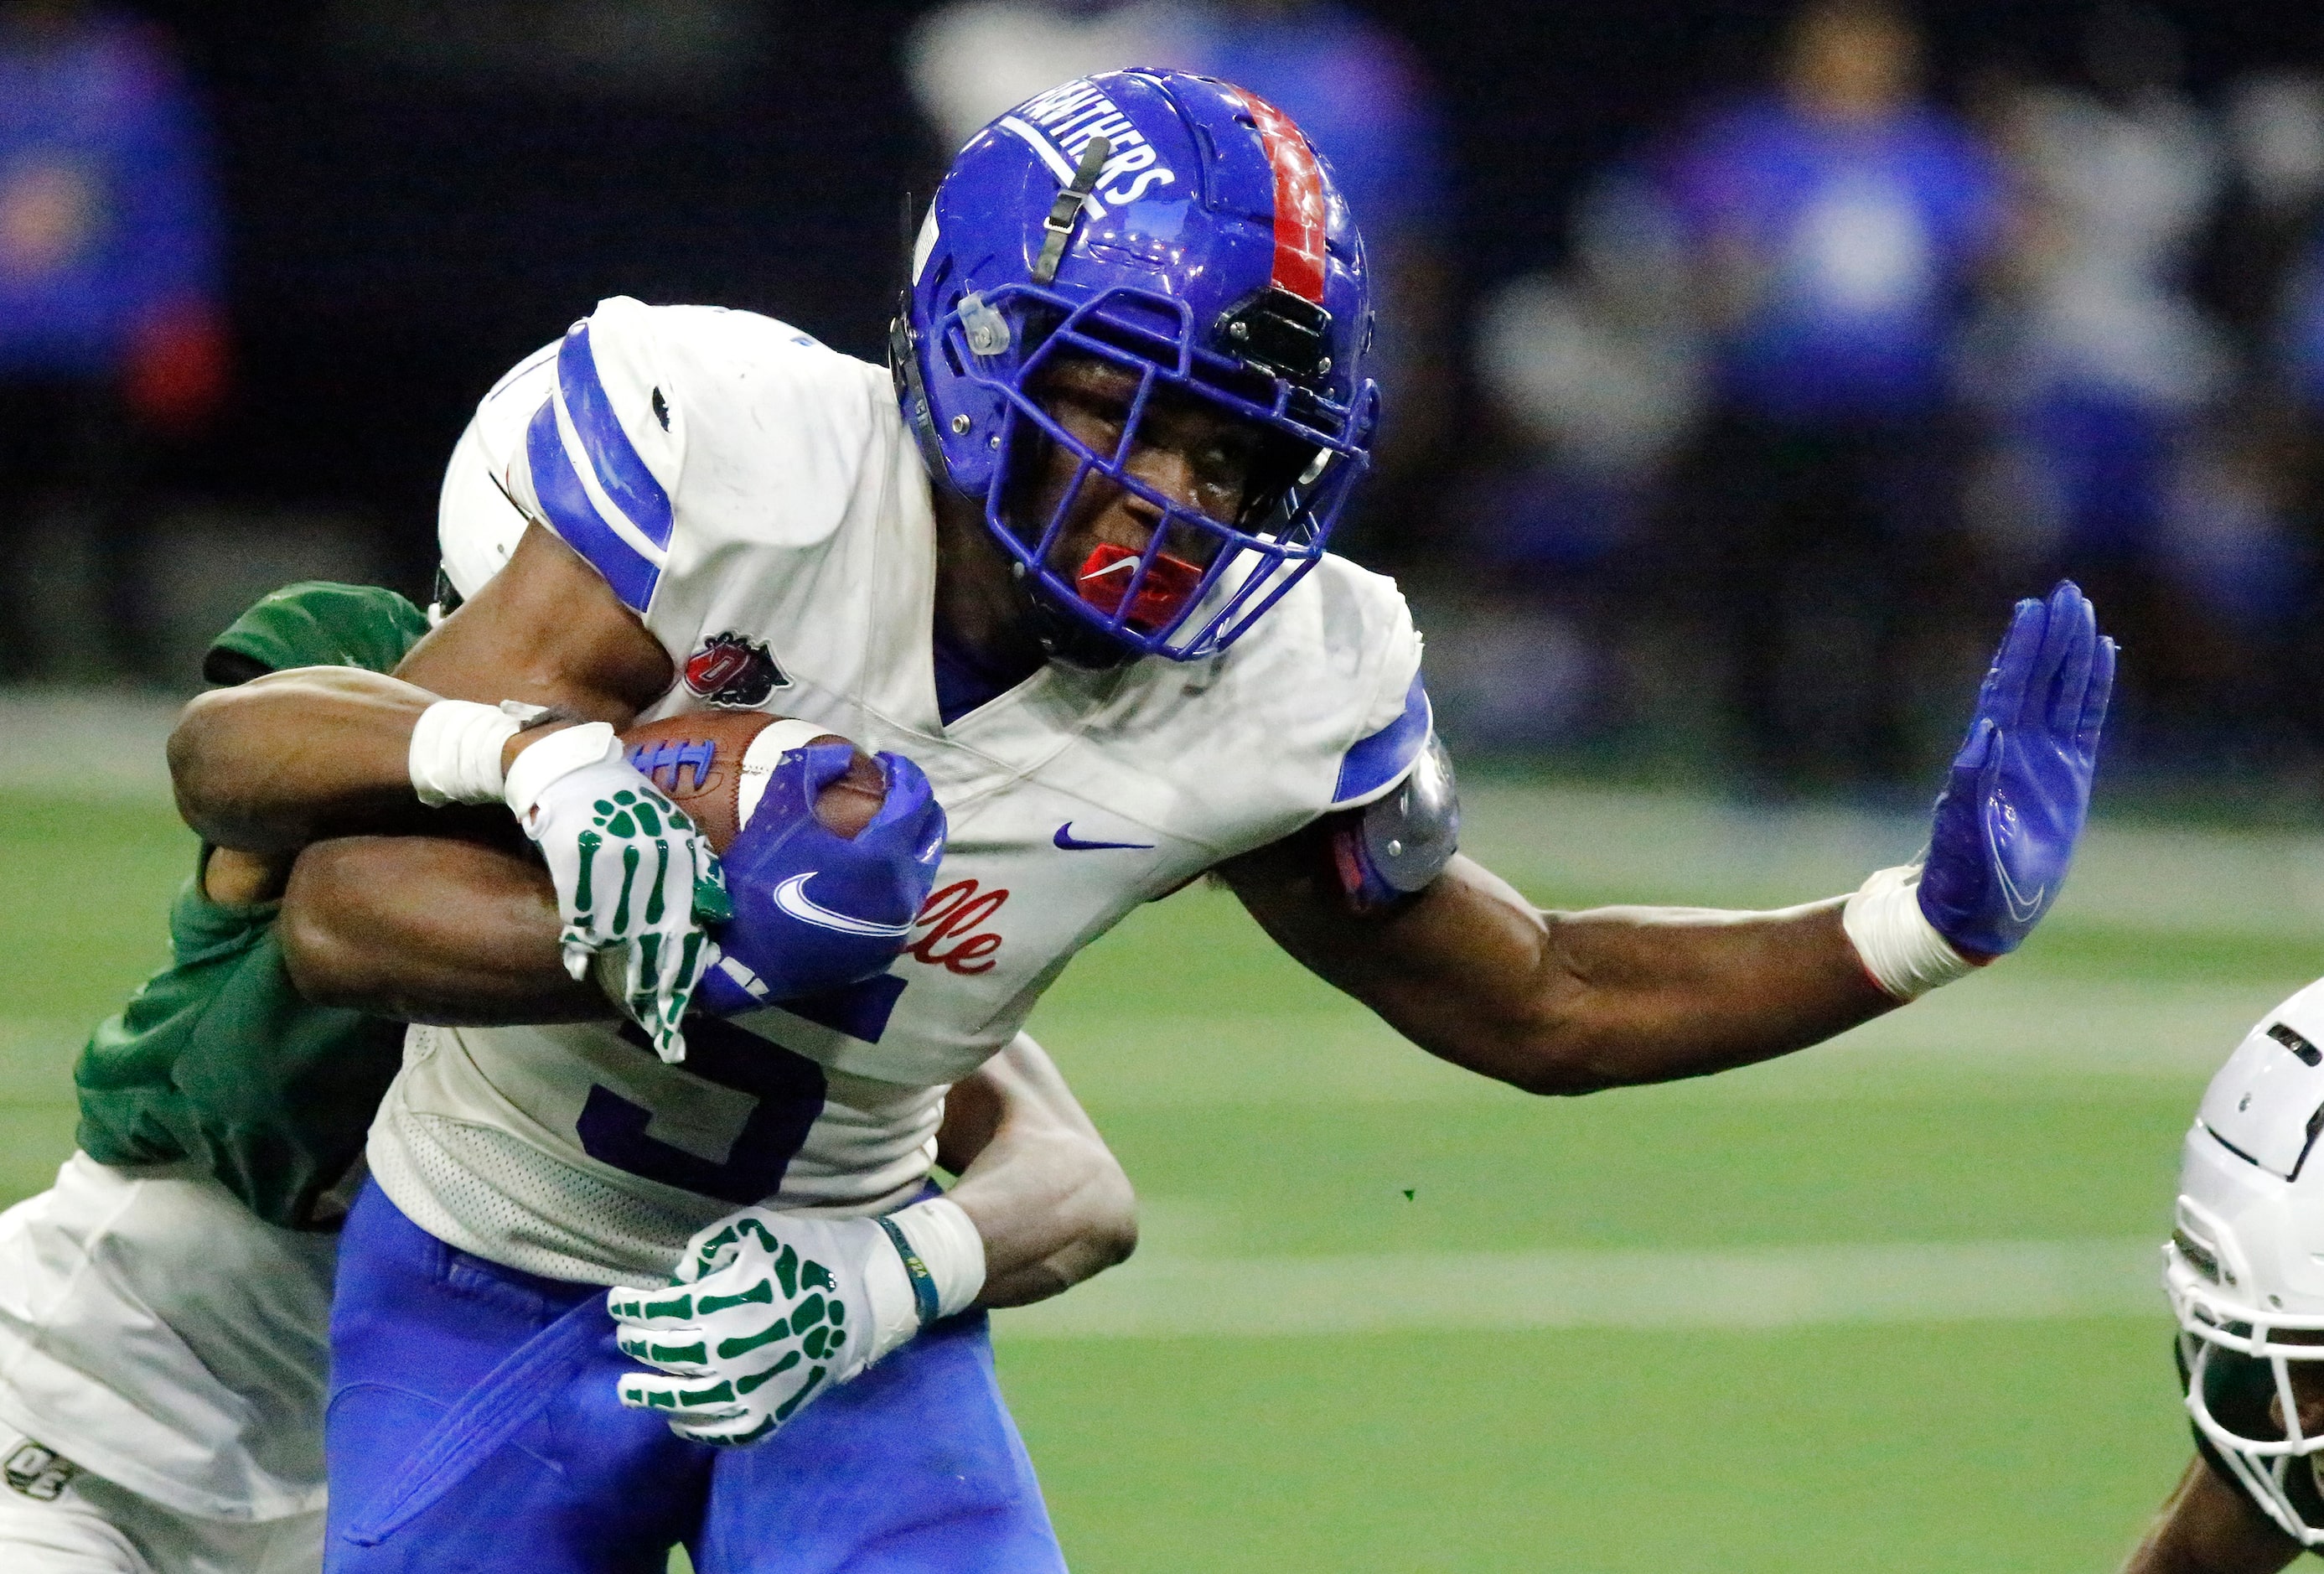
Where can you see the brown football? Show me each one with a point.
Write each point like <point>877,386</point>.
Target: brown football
<point>713,764</point>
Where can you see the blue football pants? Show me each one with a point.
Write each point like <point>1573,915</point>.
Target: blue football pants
<point>914,1468</point>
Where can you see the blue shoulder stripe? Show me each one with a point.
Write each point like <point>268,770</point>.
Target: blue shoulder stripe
<point>620,471</point>
<point>576,518</point>
<point>1373,763</point>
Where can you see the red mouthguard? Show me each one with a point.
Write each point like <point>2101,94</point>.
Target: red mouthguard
<point>1169,584</point>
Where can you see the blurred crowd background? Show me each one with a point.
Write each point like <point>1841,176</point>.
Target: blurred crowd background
<point>1743,360</point>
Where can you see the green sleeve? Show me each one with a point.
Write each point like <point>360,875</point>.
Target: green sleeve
<point>317,623</point>
<point>218,1060</point>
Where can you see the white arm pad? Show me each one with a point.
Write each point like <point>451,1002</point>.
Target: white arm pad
<point>456,749</point>
<point>1899,947</point>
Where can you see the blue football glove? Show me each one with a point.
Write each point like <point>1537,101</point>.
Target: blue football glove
<point>2009,817</point>
<point>815,910</point>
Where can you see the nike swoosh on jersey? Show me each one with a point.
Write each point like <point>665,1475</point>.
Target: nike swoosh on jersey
<point>2023,908</point>
<point>791,898</point>
<point>1072,843</point>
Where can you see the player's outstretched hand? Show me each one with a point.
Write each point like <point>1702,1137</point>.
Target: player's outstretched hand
<point>814,909</point>
<point>769,1310</point>
<point>635,879</point>
<point>2012,809</point>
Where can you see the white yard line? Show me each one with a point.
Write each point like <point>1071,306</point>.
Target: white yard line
<point>1996,1032</point>
<point>2009,1026</point>
<point>1772,1288</point>
<point>1670,847</point>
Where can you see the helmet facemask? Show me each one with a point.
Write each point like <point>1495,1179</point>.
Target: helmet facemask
<point>2240,1402</point>
<point>1181,231</point>
<point>1198,580</point>
<point>2244,1266</point>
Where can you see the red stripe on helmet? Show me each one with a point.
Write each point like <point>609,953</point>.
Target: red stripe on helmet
<point>1298,199</point>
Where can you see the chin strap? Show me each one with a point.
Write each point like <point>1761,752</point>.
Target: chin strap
<point>904,366</point>
<point>1068,208</point>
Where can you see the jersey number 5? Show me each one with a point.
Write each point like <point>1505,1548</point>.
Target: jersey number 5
<point>789,1089</point>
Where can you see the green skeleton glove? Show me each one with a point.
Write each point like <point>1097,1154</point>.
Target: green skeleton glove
<point>635,879</point>
<point>768,1310</point>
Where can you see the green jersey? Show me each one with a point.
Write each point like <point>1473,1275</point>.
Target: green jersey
<point>216,1059</point>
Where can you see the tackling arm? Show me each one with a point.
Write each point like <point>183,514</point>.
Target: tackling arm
<point>272,764</point>
<point>2209,1525</point>
<point>269,767</point>
<point>430,929</point>
<point>1045,1192</point>
<point>770,1309</point>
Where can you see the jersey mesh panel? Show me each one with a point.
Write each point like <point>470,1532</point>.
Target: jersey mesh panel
<point>490,1193</point>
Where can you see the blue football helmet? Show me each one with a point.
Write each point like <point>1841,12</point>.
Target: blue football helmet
<point>1182,229</point>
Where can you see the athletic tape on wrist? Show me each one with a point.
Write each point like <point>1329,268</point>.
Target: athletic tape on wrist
<point>559,754</point>
<point>893,1319</point>
<point>454,756</point>
<point>942,1254</point>
<point>1899,947</point>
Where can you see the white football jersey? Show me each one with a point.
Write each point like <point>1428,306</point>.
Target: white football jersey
<point>756,499</point>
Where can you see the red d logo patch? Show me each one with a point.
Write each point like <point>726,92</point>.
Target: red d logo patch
<point>733,670</point>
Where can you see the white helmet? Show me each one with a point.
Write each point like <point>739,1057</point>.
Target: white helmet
<point>2245,1266</point>
<point>478,521</point>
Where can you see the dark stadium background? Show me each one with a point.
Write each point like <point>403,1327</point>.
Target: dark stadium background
<point>398,238</point>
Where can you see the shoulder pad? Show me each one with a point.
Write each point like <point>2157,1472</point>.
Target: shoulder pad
<point>1400,841</point>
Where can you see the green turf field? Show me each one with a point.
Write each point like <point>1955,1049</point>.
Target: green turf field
<point>1887,1306</point>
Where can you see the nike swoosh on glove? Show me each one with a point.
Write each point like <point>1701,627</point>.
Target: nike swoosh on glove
<point>2010,816</point>
<point>814,910</point>
<point>768,1310</point>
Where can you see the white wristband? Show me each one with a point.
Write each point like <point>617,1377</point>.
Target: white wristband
<point>456,749</point>
<point>1899,947</point>
<point>557,754</point>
